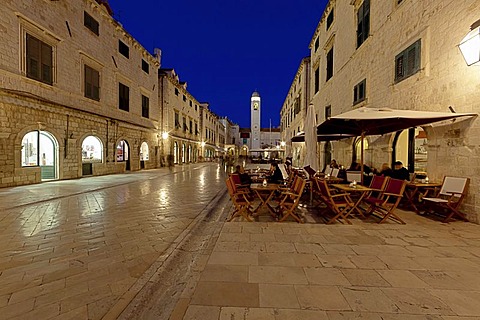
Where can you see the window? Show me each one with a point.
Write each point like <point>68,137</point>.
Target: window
<point>92,83</point>
<point>317,79</point>
<point>407,62</point>
<point>145,66</point>
<point>92,149</point>
<point>399,1</point>
<point>191,103</point>
<point>123,49</point>
<point>39,60</point>
<point>328,112</point>
<point>359,92</point>
<point>330,19</point>
<point>185,128</point>
<point>184,98</point>
<point>176,92</point>
<point>363,22</point>
<point>90,23</point>
<point>191,127</point>
<point>123,97</point>
<point>330,64</point>
<point>177,120</point>
<point>145,106</point>
<point>196,129</point>
<point>317,43</point>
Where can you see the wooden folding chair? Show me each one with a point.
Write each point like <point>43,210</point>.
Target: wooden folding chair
<point>290,200</point>
<point>388,200</point>
<point>240,201</point>
<point>449,198</point>
<point>340,204</point>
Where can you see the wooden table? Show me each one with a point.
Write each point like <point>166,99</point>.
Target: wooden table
<point>414,190</point>
<point>354,189</point>
<point>265,194</point>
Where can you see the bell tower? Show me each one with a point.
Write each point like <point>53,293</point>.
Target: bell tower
<point>255,120</point>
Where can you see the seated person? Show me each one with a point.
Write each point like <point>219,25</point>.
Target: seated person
<point>355,166</point>
<point>334,164</point>
<point>385,170</point>
<point>276,175</point>
<point>244,177</point>
<point>400,172</point>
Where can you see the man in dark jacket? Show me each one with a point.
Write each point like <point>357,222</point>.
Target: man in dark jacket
<point>400,172</point>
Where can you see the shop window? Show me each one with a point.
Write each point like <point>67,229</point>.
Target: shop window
<point>144,154</point>
<point>122,151</point>
<point>92,149</point>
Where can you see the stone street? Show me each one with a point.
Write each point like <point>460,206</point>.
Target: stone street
<point>155,245</point>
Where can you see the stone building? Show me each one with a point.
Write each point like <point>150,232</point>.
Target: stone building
<point>78,94</point>
<point>401,54</point>
<point>181,120</point>
<point>294,111</point>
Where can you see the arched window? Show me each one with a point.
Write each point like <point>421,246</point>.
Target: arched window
<point>175,152</point>
<point>40,148</point>
<point>144,152</point>
<point>92,149</point>
<point>122,151</point>
<point>357,151</point>
<point>184,149</point>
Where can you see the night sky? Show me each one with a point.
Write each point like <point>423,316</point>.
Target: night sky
<point>225,50</point>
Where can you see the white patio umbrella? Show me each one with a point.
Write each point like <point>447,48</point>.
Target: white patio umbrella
<point>376,121</point>
<point>310,127</point>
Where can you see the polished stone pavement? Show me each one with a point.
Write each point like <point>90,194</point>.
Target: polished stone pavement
<point>155,245</point>
<point>82,249</point>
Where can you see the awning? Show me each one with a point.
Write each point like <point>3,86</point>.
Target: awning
<point>300,137</point>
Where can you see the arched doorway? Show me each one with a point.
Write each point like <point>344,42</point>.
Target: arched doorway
<point>123,153</point>
<point>175,152</point>
<point>327,157</point>
<point>357,149</point>
<point>189,153</point>
<point>92,151</point>
<point>144,155</point>
<point>184,150</point>
<point>410,147</point>
<point>40,148</point>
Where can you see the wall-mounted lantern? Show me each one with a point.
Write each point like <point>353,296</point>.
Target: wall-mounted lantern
<point>470,45</point>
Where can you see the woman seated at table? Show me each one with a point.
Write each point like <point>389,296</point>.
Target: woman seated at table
<point>276,175</point>
<point>385,171</point>
<point>244,177</point>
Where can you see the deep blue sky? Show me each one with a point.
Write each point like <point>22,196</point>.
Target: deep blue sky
<point>226,49</point>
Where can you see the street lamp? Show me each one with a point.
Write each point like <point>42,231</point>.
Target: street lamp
<point>165,135</point>
<point>282,144</point>
<point>470,44</point>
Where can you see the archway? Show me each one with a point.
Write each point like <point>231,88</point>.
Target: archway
<point>123,153</point>
<point>189,153</point>
<point>92,151</point>
<point>410,147</point>
<point>175,152</point>
<point>184,150</point>
<point>144,154</point>
<point>40,148</point>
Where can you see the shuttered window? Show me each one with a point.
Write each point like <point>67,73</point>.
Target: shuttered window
<point>123,97</point>
<point>363,22</point>
<point>39,57</point>
<point>92,83</point>
<point>407,62</point>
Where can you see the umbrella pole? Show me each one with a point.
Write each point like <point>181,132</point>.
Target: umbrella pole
<point>361,157</point>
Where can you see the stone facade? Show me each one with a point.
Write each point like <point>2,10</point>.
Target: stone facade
<point>69,73</point>
<point>441,80</point>
<point>59,106</point>
<point>294,111</point>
